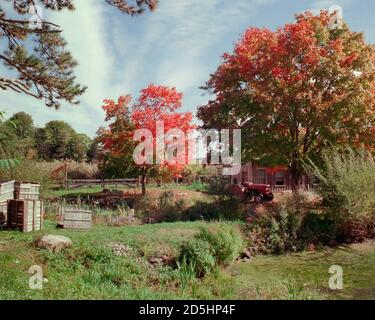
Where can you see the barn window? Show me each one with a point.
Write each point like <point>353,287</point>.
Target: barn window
<point>280,178</point>
<point>245,177</point>
<point>261,176</point>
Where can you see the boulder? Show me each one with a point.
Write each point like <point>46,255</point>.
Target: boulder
<point>54,243</point>
<point>121,250</point>
<point>246,254</point>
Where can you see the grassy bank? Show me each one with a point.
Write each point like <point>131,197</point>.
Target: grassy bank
<point>90,270</point>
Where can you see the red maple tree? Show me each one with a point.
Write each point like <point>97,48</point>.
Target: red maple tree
<point>156,103</point>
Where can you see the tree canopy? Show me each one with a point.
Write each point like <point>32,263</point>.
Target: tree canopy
<point>295,91</point>
<point>155,103</point>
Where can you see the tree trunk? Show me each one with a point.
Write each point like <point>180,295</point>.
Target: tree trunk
<point>296,174</point>
<point>143,183</point>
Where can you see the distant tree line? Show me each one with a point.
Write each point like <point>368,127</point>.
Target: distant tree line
<point>57,140</point>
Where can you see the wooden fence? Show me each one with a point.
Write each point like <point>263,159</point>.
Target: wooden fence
<point>76,183</point>
<point>282,189</point>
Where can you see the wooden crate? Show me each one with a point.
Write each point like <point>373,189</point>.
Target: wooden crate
<point>26,190</point>
<point>25,215</point>
<point>6,190</point>
<point>74,218</point>
<point>3,213</point>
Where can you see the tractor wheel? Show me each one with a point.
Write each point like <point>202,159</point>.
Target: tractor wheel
<point>258,199</point>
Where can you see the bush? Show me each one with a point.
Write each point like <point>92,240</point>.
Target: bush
<point>226,242</point>
<point>218,245</point>
<point>170,209</point>
<point>203,211</point>
<point>146,207</point>
<point>229,209</point>
<point>276,232</point>
<point>219,187</point>
<point>356,230</point>
<point>346,183</point>
<point>175,212</point>
<point>347,186</point>
<point>318,229</point>
<point>198,254</point>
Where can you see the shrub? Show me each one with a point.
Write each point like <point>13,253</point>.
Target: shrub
<point>226,242</point>
<point>356,230</point>
<point>203,211</point>
<point>217,245</point>
<point>146,207</point>
<point>275,231</point>
<point>346,183</point>
<point>175,212</point>
<point>219,187</point>
<point>347,186</point>
<point>199,255</point>
<point>319,229</point>
<point>229,209</point>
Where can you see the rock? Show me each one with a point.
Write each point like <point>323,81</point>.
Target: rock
<point>161,260</point>
<point>54,243</point>
<point>121,250</point>
<point>311,247</point>
<point>246,255</point>
<point>155,261</point>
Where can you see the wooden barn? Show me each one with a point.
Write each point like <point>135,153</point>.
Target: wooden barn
<point>278,178</point>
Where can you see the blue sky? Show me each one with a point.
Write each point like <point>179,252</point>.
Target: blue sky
<point>180,45</point>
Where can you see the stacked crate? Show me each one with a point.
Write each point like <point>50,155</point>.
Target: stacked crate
<point>26,191</point>
<point>25,215</point>
<point>6,193</point>
<point>24,209</point>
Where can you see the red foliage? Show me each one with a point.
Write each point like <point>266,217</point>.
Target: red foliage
<point>155,103</point>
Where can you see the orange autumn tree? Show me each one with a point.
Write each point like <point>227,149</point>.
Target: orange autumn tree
<point>155,104</point>
<point>295,91</point>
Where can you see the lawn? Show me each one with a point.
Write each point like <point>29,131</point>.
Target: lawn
<point>89,270</point>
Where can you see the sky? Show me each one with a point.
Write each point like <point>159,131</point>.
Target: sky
<point>180,45</point>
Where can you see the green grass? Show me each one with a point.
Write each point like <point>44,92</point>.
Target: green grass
<point>75,191</point>
<point>306,275</point>
<point>89,270</point>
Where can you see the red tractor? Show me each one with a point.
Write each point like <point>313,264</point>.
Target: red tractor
<point>249,191</point>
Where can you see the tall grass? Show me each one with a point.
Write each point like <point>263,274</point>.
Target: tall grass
<point>346,182</point>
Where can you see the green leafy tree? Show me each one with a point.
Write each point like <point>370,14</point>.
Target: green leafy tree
<point>7,139</point>
<point>58,140</point>
<point>23,125</point>
<point>78,147</point>
<point>94,151</point>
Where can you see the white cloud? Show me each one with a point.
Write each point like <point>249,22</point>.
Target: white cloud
<point>326,4</point>
<point>179,39</point>
<point>180,44</point>
<point>85,32</point>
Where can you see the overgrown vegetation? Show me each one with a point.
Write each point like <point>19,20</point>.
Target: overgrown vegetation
<point>93,269</point>
<point>215,246</point>
<point>345,214</point>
